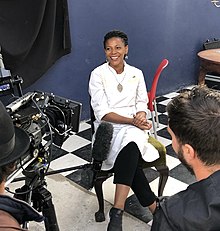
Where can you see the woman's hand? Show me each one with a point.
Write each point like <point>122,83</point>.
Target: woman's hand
<point>145,126</point>
<point>141,121</point>
<point>139,118</point>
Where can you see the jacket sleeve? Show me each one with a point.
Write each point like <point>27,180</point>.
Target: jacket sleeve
<point>160,222</point>
<point>99,101</point>
<point>142,97</point>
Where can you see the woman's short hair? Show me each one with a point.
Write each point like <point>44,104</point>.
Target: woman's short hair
<point>116,34</point>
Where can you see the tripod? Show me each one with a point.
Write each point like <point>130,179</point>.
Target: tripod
<point>34,191</point>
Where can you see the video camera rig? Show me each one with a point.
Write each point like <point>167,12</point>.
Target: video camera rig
<point>48,119</point>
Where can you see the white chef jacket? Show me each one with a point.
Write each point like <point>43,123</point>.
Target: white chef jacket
<point>106,98</point>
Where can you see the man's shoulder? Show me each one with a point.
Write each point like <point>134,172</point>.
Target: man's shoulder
<point>203,191</point>
<point>200,199</point>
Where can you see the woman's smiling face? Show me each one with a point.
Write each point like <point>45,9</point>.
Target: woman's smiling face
<point>115,51</point>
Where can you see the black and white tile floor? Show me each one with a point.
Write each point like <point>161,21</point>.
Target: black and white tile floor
<point>76,151</point>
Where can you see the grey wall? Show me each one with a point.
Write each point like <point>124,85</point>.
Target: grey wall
<point>157,29</point>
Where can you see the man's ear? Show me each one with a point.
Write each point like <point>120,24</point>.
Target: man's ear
<point>189,152</point>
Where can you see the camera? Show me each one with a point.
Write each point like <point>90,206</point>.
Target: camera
<point>48,120</point>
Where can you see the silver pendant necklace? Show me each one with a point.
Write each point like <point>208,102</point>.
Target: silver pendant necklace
<point>119,86</point>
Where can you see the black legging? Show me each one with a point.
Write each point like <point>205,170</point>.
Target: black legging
<point>128,171</point>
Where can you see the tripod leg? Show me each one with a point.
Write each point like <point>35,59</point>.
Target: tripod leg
<point>42,200</point>
<point>50,216</point>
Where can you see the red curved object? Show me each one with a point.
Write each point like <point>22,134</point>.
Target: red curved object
<point>152,92</point>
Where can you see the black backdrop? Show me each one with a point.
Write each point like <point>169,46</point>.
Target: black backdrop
<point>33,35</point>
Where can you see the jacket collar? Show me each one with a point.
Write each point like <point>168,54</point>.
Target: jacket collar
<point>19,209</point>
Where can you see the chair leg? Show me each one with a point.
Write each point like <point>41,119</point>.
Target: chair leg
<point>99,178</point>
<point>154,125</point>
<point>164,173</point>
<point>156,113</point>
<point>99,215</point>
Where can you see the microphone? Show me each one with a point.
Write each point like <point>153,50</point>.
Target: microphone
<point>100,150</point>
<point>102,141</point>
<point>101,145</point>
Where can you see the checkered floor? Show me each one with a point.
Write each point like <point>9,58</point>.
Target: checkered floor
<point>76,151</point>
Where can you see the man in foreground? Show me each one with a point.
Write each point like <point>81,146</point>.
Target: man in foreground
<point>194,125</point>
<point>14,143</point>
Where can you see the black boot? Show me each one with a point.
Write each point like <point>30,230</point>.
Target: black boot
<point>115,223</point>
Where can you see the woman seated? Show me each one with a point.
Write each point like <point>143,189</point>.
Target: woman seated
<point>119,96</point>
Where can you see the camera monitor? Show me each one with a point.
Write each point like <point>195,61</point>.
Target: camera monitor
<point>5,86</point>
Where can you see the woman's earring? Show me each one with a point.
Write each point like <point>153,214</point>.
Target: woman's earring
<point>126,56</point>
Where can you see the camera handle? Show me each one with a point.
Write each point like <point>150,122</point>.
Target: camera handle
<point>34,191</point>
